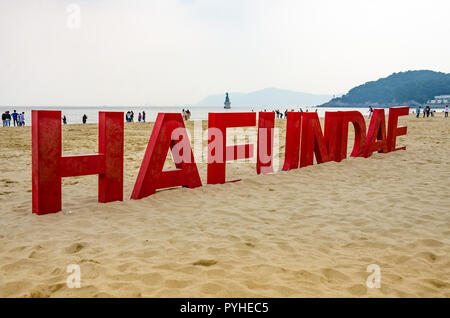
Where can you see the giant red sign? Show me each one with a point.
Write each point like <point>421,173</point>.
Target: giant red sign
<point>304,141</point>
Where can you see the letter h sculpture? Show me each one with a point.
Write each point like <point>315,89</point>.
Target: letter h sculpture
<point>49,166</point>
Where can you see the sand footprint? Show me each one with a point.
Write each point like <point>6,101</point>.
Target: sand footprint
<point>45,291</point>
<point>306,276</point>
<point>430,257</point>
<point>358,290</point>
<point>431,243</point>
<point>75,248</point>
<point>211,288</point>
<point>332,276</point>
<point>205,262</point>
<point>14,288</point>
<point>174,283</point>
<point>152,279</point>
<point>436,283</point>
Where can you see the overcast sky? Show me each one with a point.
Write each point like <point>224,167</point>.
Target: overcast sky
<point>176,52</point>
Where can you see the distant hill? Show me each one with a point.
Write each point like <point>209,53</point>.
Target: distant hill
<point>405,88</point>
<point>266,97</point>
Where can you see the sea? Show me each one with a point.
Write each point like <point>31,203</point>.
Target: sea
<point>74,114</point>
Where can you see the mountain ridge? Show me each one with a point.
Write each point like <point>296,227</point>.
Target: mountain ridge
<point>402,88</point>
<point>269,96</point>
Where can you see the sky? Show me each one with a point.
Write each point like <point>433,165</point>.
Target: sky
<point>176,52</point>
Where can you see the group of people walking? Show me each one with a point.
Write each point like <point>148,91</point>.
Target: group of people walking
<point>18,119</point>
<point>280,115</point>
<point>186,114</point>
<point>129,116</point>
<point>428,112</point>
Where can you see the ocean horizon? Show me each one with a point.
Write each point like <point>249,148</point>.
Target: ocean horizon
<point>74,114</point>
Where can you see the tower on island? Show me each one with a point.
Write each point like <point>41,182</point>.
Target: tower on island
<point>227,102</point>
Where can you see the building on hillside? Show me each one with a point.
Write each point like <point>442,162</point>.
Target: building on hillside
<point>439,101</point>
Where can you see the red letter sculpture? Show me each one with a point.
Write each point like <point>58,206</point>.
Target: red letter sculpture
<point>218,152</point>
<point>151,176</point>
<point>49,166</point>
<point>266,124</point>
<point>333,133</point>
<point>313,141</point>
<point>359,125</point>
<point>393,130</point>
<point>376,135</point>
<point>292,148</point>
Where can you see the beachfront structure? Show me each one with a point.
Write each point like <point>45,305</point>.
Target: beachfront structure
<point>439,101</point>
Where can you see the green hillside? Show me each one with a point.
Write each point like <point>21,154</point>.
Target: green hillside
<point>405,88</point>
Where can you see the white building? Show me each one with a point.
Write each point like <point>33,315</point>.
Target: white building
<point>439,101</point>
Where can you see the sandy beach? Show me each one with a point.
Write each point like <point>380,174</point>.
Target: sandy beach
<point>310,232</point>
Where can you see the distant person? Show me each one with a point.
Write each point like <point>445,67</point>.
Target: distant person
<point>4,119</point>
<point>84,119</point>
<point>370,112</point>
<point>428,111</point>
<point>446,111</point>
<point>188,114</point>
<point>22,119</point>
<point>418,111</point>
<point>8,119</point>
<point>143,116</point>
<point>15,117</point>
<point>139,117</point>
<point>64,119</point>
